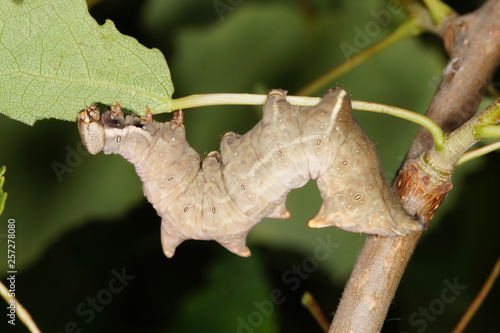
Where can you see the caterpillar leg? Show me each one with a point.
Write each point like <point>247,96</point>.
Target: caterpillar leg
<point>169,240</point>
<point>222,220</point>
<point>237,246</point>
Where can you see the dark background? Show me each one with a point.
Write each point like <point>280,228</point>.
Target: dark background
<point>74,231</point>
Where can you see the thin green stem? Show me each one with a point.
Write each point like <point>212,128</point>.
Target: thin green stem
<point>253,99</point>
<point>20,310</point>
<point>3,195</point>
<point>458,142</point>
<point>310,303</point>
<point>462,324</point>
<point>487,132</point>
<point>432,127</point>
<point>491,115</point>
<point>472,154</point>
<point>193,101</point>
<point>439,10</point>
<point>406,29</point>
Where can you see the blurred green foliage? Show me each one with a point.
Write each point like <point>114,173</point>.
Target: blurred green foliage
<point>75,227</point>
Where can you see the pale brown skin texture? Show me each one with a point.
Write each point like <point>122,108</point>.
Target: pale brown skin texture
<point>227,194</point>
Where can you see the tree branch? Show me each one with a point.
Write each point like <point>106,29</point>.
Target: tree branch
<point>473,42</point>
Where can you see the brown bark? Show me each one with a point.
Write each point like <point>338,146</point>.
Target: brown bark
<point>473,42</point>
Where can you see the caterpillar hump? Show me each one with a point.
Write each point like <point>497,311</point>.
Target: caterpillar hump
<point>226,195</point>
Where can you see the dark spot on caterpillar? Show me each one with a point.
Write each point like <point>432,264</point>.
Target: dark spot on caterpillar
<point>161,149</point>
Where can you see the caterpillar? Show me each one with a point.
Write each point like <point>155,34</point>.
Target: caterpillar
<point>224,196</point>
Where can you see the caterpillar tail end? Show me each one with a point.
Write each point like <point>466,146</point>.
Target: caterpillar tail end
<point>169,254</point>
<point>169,242</point>
<point>280,212</point>
<point>400,226</point>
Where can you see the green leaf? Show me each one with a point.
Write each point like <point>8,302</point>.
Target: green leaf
<point>55,59</point>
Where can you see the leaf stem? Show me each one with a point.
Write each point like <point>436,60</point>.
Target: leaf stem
<point>465,137</point>
<point>312,305</point>
<point>438,9</point>
<point>406,29</point>
<point>198,100</point>
<point>3,195</point>
<point>192,101</point>
<point>487,132</point>
<point>20,310</point>
<point>417,118</point>
<point>472,154</point>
